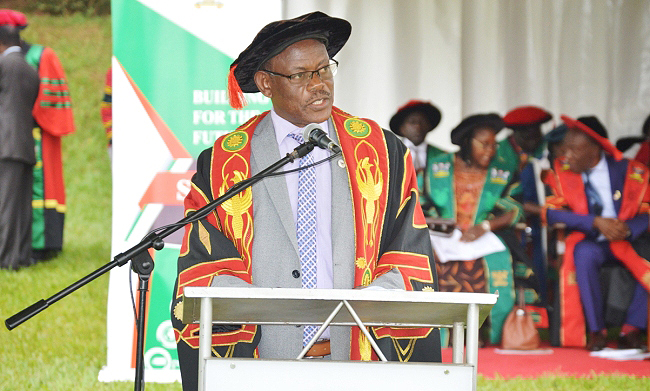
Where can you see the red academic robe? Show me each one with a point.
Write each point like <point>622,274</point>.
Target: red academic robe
<point>53,115</point>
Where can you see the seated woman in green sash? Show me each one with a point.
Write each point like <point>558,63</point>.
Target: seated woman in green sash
<point>476,188</point>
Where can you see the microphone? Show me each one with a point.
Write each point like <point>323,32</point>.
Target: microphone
<point>313,133</point>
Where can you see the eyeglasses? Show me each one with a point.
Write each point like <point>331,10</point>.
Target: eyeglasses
<point>494,146</point>
<point>301,78</point>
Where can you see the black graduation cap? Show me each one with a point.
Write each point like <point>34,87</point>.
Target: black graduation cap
<point>594,124</point>
<point>467,125</point>
<point>430,111</point>
<point>273,39</point>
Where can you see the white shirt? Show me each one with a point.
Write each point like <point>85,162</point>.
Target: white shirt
<point>286,144</point>
<point>599,178</point>
<point>418,153</point>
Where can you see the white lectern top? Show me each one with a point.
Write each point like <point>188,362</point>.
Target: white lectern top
<point>375,307</point>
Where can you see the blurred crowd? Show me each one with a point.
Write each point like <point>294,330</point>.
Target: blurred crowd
<point>569,207</point>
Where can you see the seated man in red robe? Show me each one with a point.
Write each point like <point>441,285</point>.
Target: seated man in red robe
<point>603,200</point>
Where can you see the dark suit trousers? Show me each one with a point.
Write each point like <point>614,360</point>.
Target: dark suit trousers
<point>589,256</point>
<point>15,213</point>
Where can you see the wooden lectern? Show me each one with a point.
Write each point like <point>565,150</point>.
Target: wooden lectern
<point>364,307</point>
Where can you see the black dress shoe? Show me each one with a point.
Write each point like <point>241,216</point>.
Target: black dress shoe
<point>631,340</point>
<point>597,341</point>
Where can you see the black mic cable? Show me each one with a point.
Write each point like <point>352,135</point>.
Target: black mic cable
<point>298,152</point>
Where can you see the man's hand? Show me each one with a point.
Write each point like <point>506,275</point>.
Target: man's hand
<point>612,229</point>
<point>532,209</point>
<point>473,233</point>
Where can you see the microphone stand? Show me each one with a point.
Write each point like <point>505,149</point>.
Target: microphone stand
<point>143,264</point>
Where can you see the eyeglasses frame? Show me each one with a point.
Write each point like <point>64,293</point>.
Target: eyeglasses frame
<point>317,71</point>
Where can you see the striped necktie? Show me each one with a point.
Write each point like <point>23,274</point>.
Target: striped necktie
<point>306,227</point>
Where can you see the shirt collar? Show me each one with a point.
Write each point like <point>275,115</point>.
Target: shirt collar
<point>413,147</point>
<point>283,127</point>
<point>601,166</point>
<point>11,49</point>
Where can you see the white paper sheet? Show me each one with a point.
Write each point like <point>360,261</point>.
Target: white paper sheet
<point>535,352</point>
<point>621,354</point>
<point>452,249</point>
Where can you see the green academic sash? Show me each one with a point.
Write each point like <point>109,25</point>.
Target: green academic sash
<point>498,189</point>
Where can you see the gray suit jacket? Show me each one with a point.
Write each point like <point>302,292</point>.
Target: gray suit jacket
<point>19,84</point>
<point>275,249</point>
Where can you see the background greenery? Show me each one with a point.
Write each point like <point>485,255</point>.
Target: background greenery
<point>64,347</point>
<point>60,7</point>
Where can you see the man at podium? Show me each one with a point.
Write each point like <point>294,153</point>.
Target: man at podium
<point>351,222</point>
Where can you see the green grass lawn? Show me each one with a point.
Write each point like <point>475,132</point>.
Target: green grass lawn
<point>64,347</point>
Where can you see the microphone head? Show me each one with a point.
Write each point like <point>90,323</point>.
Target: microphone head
<point>307,131</point>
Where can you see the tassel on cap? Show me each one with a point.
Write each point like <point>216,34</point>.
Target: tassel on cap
<point>235,94</point>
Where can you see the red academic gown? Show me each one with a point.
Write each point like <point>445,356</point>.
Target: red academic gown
<point>53,115</point>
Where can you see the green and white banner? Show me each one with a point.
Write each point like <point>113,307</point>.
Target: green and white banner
<point>170,67</point>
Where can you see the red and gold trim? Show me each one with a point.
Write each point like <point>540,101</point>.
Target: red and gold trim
<point>366,156</point>
<point>190,334</point>
<point>203,273</point>
<point>368,177</point>
<point>413,267</point>
<point>230,165</point>
<point>635,195</point>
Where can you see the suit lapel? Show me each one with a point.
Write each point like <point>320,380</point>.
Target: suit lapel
<point>616,178</point>
<point>265,152</point>
<point>342,221</point>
